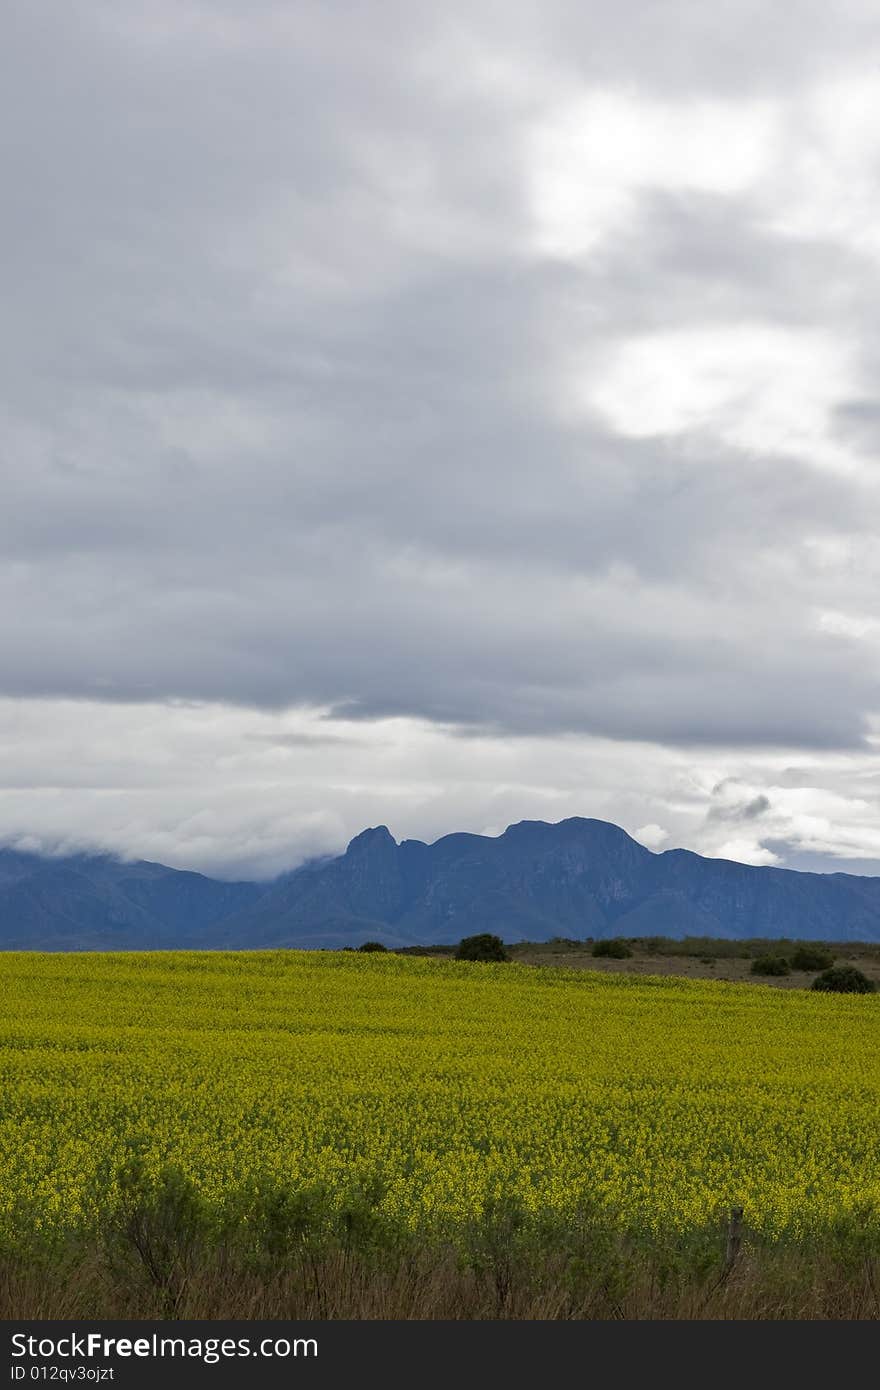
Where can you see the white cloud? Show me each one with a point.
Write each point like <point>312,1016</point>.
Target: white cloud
<point>757,387</point>
<point>744,851</point>
<point>826,185</point>
<point>652,836</point>
<point>244,793</point>
<point>857,626</point>
<point>590,156</point>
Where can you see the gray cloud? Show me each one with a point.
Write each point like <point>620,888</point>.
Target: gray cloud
<point>735,808</point>
<point>298,409</point>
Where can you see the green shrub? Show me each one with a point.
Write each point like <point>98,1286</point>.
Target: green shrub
<point>372,946</point>
<point>654,945</point>
<point>811,958</point>
<point>159,1226</point>
<point>844,979</point>
<point>770,965</point>
<point>615,948</point>
<point>484,946</point>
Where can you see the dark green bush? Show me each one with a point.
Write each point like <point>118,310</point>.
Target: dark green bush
<point>484,946</point>
<point>160,1226</point>
<point>770,965</point>
<point>654,945</point>
<point>844,979</point>
<point>372,946</point>
<point>811,958</point>
<point>615,948</point>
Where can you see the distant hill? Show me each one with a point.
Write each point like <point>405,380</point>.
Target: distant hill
<point>98,903</point>
<point>576,878</point>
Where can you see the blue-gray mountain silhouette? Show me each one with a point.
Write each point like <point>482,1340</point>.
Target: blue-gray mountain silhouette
<point>576,878</point>
<point>95,902</point>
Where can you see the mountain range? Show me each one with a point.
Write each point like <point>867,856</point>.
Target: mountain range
<point>577,878</point>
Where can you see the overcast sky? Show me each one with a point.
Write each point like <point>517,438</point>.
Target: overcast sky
<point>440,415</point>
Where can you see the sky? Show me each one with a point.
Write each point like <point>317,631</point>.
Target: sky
<point>439,416</point>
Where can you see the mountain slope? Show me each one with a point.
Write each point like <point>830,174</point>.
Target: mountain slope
<point>577,878</point>
<point>86,902</point>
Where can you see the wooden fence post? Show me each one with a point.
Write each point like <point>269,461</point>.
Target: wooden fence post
<point>734,1239</point>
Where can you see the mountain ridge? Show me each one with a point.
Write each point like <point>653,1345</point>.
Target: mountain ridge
<point>576,877</point>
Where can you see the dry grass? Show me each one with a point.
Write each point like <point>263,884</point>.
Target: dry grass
<point>732,968</point>
<point>786,1284</point>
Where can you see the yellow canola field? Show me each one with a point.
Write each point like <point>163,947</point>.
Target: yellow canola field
<point>662,1100</point>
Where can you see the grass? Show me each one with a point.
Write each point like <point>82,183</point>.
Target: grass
<point>694,958</point>
<point>87,1281</point>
